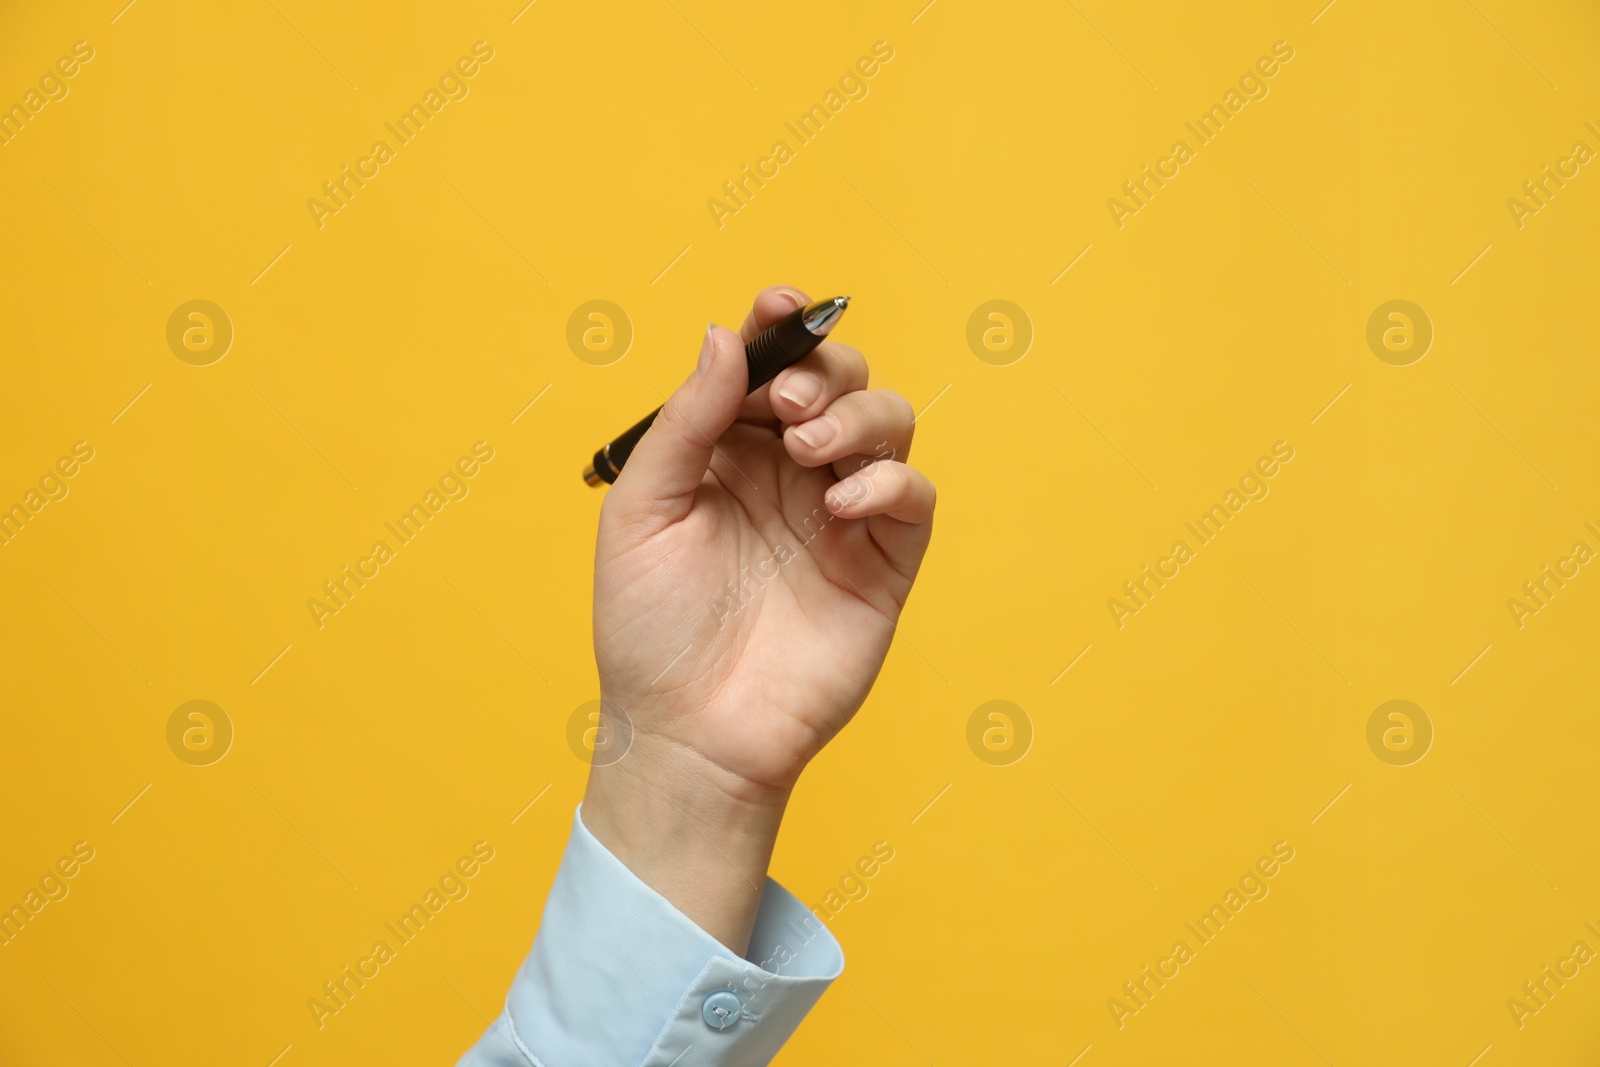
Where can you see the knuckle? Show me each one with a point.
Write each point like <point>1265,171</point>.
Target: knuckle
<point>671,413</point>
<point>674,419</point>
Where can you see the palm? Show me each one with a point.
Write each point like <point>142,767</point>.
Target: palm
<point>752,629</point>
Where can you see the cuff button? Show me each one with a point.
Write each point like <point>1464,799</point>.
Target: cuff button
<point>721,1009</point>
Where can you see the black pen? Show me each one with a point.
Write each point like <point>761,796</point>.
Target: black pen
<point>783,343</point>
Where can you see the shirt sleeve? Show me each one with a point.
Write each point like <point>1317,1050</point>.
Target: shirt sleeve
<point>618,977</point>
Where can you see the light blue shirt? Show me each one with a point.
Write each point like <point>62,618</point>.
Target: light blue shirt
<point>618,977</point>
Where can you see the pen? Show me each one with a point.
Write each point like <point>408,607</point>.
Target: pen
<point>783,343</point>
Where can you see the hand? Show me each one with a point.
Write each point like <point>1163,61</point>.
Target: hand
<point>753,558</point>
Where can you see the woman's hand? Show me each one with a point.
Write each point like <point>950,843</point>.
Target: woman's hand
<point>753,558</point>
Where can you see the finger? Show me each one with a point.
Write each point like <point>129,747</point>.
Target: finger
<point>771,304</point>
<point>867,421</point>
<point>897,501</point>
<point>829,371</point>
<point>657,485</point>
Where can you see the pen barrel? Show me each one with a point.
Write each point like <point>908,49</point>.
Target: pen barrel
<point>609,460</point>
<point>780,345</point>
<point>784,343</point>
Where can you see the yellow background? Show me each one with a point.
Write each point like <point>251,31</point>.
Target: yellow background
<point>429,312</point>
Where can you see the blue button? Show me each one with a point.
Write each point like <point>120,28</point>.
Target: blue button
<point>721,1009</point>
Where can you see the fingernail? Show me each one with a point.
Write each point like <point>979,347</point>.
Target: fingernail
<point>799,301</point>
<point>818,432</point>
<point>707,347</point>
<point>836,499</point>
<point>801,388</point>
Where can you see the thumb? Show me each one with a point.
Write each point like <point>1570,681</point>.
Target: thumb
<point>666,467</point>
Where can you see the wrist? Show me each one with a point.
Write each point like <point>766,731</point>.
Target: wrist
<point>697,834</point>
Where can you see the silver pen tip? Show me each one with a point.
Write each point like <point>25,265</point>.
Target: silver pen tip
<point>820,317</point>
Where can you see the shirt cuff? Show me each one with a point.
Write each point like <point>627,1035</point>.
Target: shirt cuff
<point>618,976</point>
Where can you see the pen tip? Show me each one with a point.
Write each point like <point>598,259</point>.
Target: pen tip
<point>844,301</point>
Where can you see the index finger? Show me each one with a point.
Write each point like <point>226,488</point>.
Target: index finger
<point>771,304</point>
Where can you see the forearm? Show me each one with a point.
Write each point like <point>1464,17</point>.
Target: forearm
<point>692,832</point>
